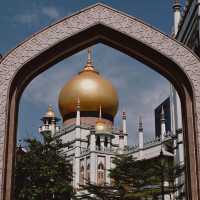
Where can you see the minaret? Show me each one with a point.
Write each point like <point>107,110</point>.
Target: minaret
<point>78,116</point>
<point>124,130</point>
<point>141,134</point>
<point>78,120</point>
<point>121,140</point>
<point>102,137</point>
<point>49,123</point>
<point>124,122</point>
<point>92,139</point>
<point>93,156</point>
<point>162,126</point>
<point>76,167</point>
<point>177,15</point>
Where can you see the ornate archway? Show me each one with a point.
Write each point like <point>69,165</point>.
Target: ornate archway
<point>100,23</point>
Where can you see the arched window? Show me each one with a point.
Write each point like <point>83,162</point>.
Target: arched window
<point>106,142</point>
<point>88,143</point>
<point>98,142</point>
<point>82,175</point>
<point>100,174</point>
<point>88,173</point>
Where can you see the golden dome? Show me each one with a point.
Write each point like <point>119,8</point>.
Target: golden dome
<point>91,89</point>
<point>50,113</point>
<point>101,126</point>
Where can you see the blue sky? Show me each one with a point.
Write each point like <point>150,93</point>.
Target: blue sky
<point>20,18</point>
<point>139,91</point>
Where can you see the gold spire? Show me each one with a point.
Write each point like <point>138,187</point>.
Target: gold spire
<point>89,65</point>
<point>100,112</point>
<point>89,60</point>
<point>50,112</point>
<point>50,107</point>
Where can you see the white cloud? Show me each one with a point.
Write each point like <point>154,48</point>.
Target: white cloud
<point>27,18</point>
<point>36,15</point>
<point>51,12</point>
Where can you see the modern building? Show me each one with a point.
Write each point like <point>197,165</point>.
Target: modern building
<point>187,24</point>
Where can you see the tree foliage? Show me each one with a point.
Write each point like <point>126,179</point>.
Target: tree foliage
<point>43,172</point>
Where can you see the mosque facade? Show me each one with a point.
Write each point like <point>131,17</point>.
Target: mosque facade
<point>88,104</point>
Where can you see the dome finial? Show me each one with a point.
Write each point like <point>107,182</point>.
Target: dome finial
<point>89,60</point>
<point>50,112</point>
<point>100,112</point>
<point>50,107</point>
<point>89,65</point>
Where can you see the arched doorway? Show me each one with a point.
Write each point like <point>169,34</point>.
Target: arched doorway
<point>95,24</point>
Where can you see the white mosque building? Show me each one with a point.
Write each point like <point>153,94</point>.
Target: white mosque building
<point>88,104</point>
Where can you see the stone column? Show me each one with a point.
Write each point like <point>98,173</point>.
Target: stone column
<point>93,167</point>
<point>177,15</point>
<point>107,169</point>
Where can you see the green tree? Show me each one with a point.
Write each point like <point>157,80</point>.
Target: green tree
<point>135,177</point>
<point>167,172</point>
<point>43,172</point>
<point>99,192</point>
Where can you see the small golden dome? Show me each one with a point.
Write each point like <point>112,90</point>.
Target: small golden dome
<point>50,113</point>
<point>92,90</point>
<point>100,126</point>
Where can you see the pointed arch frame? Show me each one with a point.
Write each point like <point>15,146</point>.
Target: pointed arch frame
<point>100,23</point>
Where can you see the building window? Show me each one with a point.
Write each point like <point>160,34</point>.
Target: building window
<point>100,174</point>
<point>98,142</point>
<point>82,175</point>
<point>88,173</point>
<point>106,142</point>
